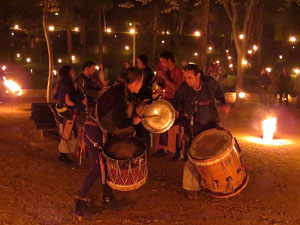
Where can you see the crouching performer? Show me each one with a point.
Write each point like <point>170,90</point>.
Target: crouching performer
<point>195,101</point>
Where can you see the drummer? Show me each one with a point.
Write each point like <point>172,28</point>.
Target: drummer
<point>195,101</point>
<point>117,118</point>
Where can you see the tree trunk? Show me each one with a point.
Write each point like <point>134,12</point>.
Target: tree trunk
<point>83,40</point>
<point>203,38</point>
<point>260,31</point>
<point>241,55</point>
<point>69,40</point>
<point>49,47</point>
<point>100,34</point>
<point>240,45</point>
<point>182,11</point>
<point>155,33</point>
<point>104,19</point>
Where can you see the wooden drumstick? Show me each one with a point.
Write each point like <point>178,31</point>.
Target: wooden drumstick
<point>147,117</point>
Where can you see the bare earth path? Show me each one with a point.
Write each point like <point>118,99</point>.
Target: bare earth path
<point>37,189</point>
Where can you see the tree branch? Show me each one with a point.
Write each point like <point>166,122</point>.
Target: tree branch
<point>227,9</point>
<point>235,29</point>
<point>247,17</point>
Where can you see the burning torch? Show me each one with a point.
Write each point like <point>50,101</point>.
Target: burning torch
<point>13,87</point>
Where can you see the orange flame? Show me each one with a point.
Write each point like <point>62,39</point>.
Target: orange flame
<point>269,127</point>
<point>13,87</point>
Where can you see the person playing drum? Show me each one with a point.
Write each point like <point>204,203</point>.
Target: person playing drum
<point>116,117</point>
<point>195,101</point>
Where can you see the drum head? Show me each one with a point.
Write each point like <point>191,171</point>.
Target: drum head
<point>210,143</point>
<point>124,148</point>
<point>158,117</point>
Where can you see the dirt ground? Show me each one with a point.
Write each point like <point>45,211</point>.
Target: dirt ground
<point>37,189</point>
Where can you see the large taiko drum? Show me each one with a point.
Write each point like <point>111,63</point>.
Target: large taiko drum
<point>126,160</point>
<point>216,155</point>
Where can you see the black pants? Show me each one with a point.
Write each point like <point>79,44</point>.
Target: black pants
<point>95,169</point>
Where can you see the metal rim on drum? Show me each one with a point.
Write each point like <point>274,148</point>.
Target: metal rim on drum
<point>124,160</point>
<point>158,117</point>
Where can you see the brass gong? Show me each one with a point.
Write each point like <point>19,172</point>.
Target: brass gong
<point>158,117</point>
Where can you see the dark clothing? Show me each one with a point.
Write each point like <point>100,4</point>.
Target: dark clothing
<point>112,113</point>
<point>112,108</point>
<point>284,82</point>
<point>264,81</point>
<point>145,93</point>
<point>197,110</point>
<point>66,88</point>
<point>88,87</point>
<point>284,87</point>
<point>146,89</point>
<point>95,134</point>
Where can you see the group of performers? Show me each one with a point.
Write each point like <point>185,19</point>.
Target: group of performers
<point>99,113</point>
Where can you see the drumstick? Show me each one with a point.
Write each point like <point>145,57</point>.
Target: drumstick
<point>147,117</point>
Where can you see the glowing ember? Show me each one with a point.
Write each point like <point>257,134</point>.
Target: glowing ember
<point>269,127</point>
<point>13,87</point>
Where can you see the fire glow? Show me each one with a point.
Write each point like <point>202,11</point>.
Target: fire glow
<point>269,127</point>
<point>13,87</point>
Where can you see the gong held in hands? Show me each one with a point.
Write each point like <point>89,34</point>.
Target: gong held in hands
<point>157,117</point>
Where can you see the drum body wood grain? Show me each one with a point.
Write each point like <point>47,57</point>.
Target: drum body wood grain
<point>217,157</point>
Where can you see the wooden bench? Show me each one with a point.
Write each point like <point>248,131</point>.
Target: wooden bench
<point>44,119</point>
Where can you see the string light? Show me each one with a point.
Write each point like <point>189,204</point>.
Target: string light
<point>296,70</point>
<point>244,62</point>
<point>108,30</point>
<point>51,28</point>
<point>197,33</point>
<point>28,60</point>
<point>132,31</point>
<point>292,39</point>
